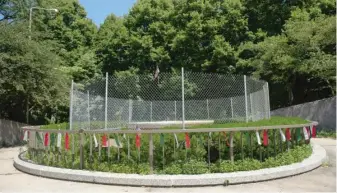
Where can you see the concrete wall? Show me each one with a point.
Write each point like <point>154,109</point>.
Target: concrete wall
<point>10,133</point>
<point>323,111</point>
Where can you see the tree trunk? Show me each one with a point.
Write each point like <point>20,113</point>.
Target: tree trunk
<point>27,110</point>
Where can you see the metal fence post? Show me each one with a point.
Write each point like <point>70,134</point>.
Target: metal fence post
<point>175,110</point>
<point>89,110</point>
<point>106,101</point>
<point>265,101</point>
<point>71,105</point>
<point>251,105</point>
<point>231,147</point>
<point>246,103</point>
<point>232,107</point>
<point>151,153</point>
<point>268,102</point>
<point>151,111</point>
<point>81,150</point>
<point>207,109</point>
<point>130,110</point>
<point>183,97</point>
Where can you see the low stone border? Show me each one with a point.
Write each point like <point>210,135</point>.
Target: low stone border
<point>314,161</point>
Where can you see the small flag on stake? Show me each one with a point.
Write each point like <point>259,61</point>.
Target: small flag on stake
<point>38,137</point>
<point>265,137</point>
<point>59,139</point>
<point>117,140</point>
<point>104,141</point>
<point>308,131</point>
<point>162,140</point>
<point>25,135</point>
<point>305,132</point>
<point>258,137</point>
<point>313,131</point>
<point>288,134</point>
<point>176,139</point>
<point>95,141</point>
<point>52,139</point>
<point>187,141</point>
<point>46,139</point>
<point>66,142</point>
<point>283,137</point>
<point>138,141</point>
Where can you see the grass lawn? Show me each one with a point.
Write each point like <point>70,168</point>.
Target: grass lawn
<point>217,124</point>
<point>276,120</point>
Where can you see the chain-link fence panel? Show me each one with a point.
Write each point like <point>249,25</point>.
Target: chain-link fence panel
<point>127,99</point>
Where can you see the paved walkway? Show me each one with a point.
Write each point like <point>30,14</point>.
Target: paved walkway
<point>322,179</point>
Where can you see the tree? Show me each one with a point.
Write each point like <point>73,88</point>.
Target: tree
<point>72,36</point>
<point>31,85</point>
<point>301,60</point>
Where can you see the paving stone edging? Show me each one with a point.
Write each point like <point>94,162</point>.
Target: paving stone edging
<point>315,160</point>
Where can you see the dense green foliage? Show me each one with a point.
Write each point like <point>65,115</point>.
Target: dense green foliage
<point>327,134</point>
<point>290,44</point>
<point>193,165</point>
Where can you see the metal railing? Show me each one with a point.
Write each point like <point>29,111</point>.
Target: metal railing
<point>241,130</point>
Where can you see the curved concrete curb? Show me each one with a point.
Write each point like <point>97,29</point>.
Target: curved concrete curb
<point>314,161</point>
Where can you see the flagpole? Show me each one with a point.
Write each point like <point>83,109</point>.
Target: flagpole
<point>246,103</point>
<point>183,97</point>
<point>71,106</point>
<point>106,101</point>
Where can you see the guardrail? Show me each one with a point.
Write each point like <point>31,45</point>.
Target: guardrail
<point>150,133</point>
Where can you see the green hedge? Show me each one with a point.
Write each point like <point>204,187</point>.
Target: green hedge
<point>190,166</point>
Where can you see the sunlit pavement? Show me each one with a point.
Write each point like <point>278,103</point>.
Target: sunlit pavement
<point>322,179</point>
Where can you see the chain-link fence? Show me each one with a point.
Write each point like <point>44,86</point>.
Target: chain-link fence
<point>126,100</point>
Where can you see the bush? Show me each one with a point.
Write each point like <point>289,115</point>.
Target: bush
<point>173,168</point>
<point>195,167</point>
